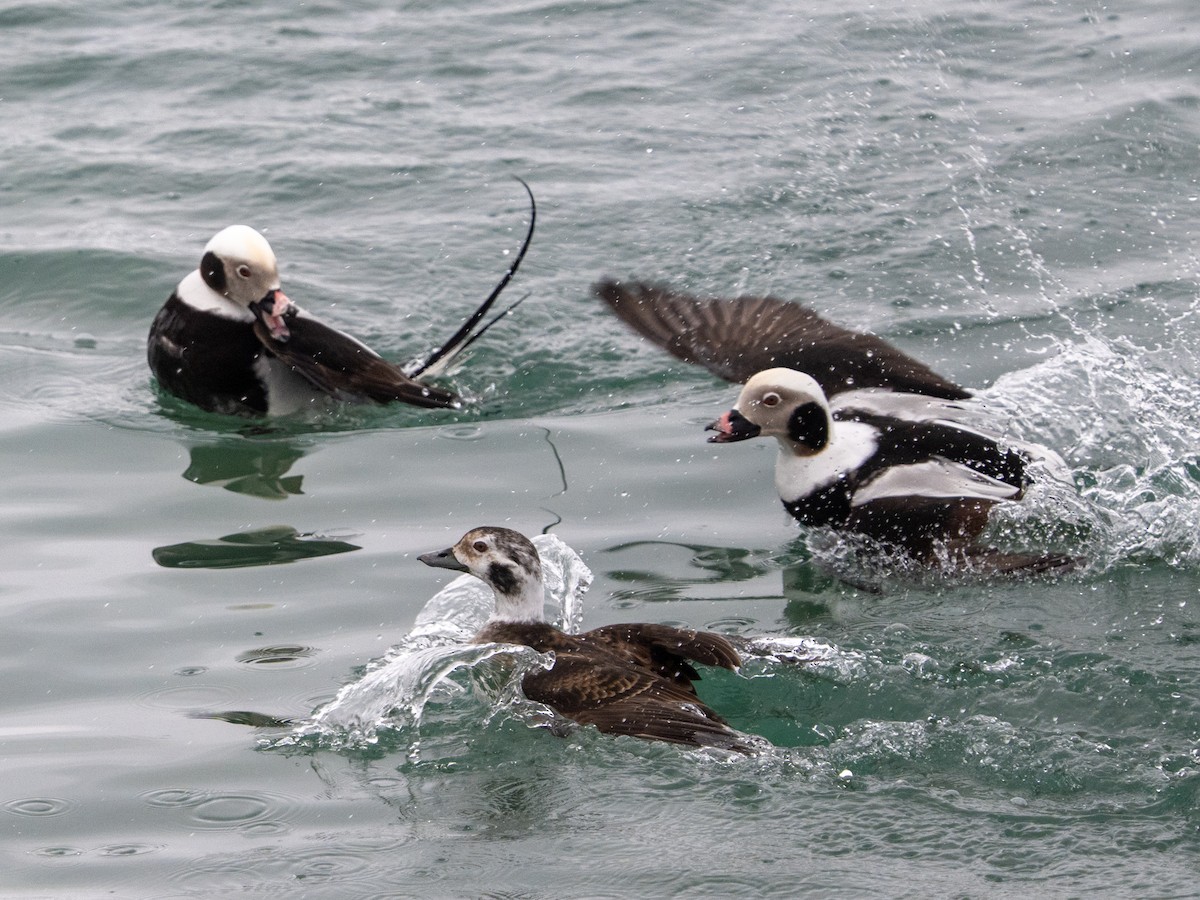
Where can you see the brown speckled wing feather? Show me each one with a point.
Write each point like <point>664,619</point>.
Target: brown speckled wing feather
<point>666,650</point>
<point>735,338</point>
<point>623,700</point>
<point>345,369</point>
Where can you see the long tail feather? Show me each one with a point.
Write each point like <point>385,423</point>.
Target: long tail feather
<point>463,338</point>
<point>503,314</point>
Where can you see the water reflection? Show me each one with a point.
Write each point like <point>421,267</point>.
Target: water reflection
<point>717,563</point>
<point>245,467</point>
<point>245,717</point>
<point>263,547</point>
<point>804,583</point>
<point>707,565</point>
<point>810,589</point>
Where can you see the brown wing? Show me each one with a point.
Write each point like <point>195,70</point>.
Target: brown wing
<point>624,700</point>
<point>736,338</point>
<point>345,369</point>
<point>665,650</point>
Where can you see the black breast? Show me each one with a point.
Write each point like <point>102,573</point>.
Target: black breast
<point>206,359</point>
<point>829,505</point>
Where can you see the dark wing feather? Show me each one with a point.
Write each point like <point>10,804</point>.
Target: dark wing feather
<point>623,700</point>
<point>345,369</point>
<point>734,339</point>
<point>665,650</point>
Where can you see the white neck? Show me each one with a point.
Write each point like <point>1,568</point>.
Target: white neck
<point>198,295</point>
<point>850,445</point>
<point>527,605</point>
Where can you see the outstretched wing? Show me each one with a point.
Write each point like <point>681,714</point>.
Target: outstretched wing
<point>344,368</point>
<point>623,700</point>
<point>735,338</point>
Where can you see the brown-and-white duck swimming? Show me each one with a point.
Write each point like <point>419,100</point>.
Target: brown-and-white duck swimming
<point>229,340</point>
<point>871,440</point>
<point>634,679</point>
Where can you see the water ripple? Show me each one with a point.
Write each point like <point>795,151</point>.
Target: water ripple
<point>288,656</point>
<point>258,813</point>
<point>38,806</point>
<point>172,797</point>
<point>57,852</point>
<point>128,849</point>
<point>268,866</point>
<point>230,809</point>
<point>187,698</point>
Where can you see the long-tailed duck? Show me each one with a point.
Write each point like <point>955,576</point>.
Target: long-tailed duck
<point>229,340</point>
<point>921,486</point>
<point>632,679</point>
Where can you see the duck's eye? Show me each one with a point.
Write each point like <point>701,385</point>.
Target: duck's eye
<point>244,271</point>
<point>479,546</point>
<point>771,399</point>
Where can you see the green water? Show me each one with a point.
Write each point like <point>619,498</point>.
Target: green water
<point>1006,190</point>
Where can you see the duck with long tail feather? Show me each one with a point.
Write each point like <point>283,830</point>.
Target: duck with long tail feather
<point>230,341</point>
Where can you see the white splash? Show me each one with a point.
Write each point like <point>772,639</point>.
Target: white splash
<point>396,688</point>
<point>810,654</point>
<point>1127,419</point>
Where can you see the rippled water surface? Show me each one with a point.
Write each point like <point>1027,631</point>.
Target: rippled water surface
<point>1007,190</point>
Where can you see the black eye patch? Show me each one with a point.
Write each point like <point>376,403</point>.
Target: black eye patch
<point>809,425</point>
<point>213,272</point>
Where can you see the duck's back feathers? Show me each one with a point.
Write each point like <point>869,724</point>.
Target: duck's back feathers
<point>666,650</point>
<point>631,679</point>
<point>620,699</point>
<point>736,338</point>
<point>344,368</point>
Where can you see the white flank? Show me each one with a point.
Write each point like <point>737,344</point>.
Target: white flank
<point>937,477</point>
<point>287,392</point>
<point>964,415</point>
